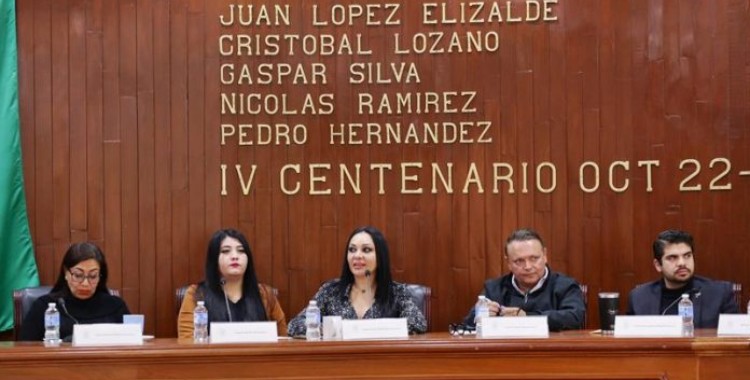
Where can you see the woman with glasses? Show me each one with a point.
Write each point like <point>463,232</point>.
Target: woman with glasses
<point>80,293</point>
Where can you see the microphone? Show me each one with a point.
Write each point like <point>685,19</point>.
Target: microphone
<point>61,301</point>
<point>226,299</point>
<point>695,292</point>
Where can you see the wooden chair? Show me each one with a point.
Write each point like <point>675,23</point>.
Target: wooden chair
<point>179,295</point>
<point>421,295</point>
<point>737,290</point>
<point>25,297</point>
<point>585,291</point>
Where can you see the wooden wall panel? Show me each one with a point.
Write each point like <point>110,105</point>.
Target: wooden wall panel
<point>162,259</point>
<point>121,112</point>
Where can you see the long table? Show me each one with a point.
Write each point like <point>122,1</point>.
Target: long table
<point>568,355</point>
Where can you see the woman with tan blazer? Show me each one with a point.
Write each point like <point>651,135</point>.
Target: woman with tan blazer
<point>231,291</point>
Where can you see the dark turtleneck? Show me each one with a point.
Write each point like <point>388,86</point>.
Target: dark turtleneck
<point>669,297</point>
<point>100,308</point>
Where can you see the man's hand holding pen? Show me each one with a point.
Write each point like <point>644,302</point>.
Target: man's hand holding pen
<point>497,310</point>
<point>506,311</point>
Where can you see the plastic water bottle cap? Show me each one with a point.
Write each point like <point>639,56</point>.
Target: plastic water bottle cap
<point>313,302</point>
<point>685,295</point>
<point>201,303</point>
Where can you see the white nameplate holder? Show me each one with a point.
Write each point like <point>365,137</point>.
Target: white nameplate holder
<point>107,334</point>
<point>243,332</point>
<point>381,328</point>
<point>530,326</point>
<point>734,325</point>
<point>648,326</point>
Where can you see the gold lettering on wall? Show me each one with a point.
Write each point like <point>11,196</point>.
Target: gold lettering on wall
<point>283,84</point>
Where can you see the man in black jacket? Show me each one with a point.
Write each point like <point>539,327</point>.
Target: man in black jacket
<point>674,258</point>
<point>531,288</point>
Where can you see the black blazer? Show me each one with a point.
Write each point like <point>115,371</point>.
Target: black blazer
<point>710,298</point>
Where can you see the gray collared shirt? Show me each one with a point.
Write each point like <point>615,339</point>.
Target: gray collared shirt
<point>536,287</point>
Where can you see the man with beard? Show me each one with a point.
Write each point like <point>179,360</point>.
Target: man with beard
<point>674,258</point>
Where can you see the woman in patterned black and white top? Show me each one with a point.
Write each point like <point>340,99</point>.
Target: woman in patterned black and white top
<point>365,289</point>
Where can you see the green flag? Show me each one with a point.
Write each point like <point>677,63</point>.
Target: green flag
<point>17,264</point>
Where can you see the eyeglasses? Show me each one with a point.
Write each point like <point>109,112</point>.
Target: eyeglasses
<point>78,277</point>
<point>458,329</point>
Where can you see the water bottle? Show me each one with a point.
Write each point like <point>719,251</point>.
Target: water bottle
<point>312,321</point>
<point>481,310</point>
<point>200,323</point>
<point>685,310</point>
<point>51,326</point>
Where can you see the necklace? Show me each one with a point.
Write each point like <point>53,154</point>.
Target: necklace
<point>362,290</point>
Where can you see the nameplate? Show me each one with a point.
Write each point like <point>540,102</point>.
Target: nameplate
<point>107,334</point>
<point>648,326</point>
<point>530,326</point>
<point>381,328</point>
<point>243,332</point>
<point>734,325</point>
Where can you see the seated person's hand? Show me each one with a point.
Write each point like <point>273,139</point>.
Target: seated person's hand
<point>494,309</point>
<point>511,312</point>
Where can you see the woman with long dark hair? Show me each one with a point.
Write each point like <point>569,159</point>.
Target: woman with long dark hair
<point>365,289</point>
<point>81,295</point>
<point>231,291</point>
